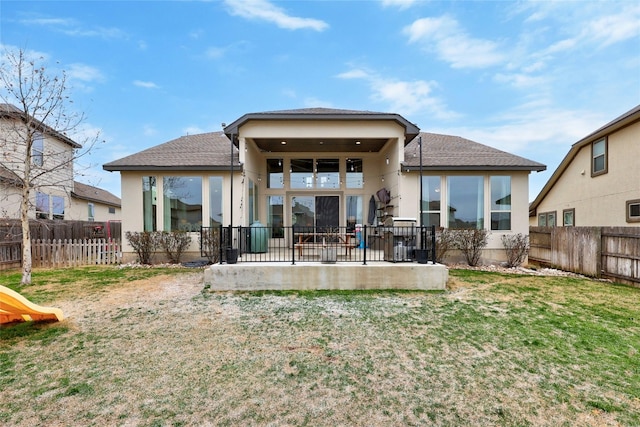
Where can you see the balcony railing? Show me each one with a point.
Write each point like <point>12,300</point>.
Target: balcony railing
<point>318,244</point>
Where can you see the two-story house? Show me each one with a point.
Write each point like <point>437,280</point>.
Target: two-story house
<point>55,194</point>
<point>598,181</point>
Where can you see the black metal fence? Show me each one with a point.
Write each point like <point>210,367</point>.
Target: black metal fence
<point>318,244</point>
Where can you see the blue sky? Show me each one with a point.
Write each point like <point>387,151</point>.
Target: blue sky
<point>530,78</point>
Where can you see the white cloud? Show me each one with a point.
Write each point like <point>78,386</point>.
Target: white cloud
<point>404,97</point>
<point>264,10</point>
<point>85,73</point>
<point>401,4</point>
<point>452,44</point>
<point>315,102</point>
<point>146,85</point>
<point>610,29</point>
<point>73,28</point>
<point>519,80</point>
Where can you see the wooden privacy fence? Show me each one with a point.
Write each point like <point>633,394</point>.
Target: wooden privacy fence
<point>607,252</point>
<point>63,253</point>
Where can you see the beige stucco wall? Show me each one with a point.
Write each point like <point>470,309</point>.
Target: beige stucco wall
<point>494,252</point>
<point>79,211</point>
<point>599,200</point>
<point>132,206</point>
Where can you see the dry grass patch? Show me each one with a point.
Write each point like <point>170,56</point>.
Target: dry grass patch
<point>495,350</point>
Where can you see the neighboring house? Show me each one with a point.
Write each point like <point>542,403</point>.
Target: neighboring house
<point>90,203</point>
<point>55,195</point>
<point>598,181</point>
<point>320,167</point>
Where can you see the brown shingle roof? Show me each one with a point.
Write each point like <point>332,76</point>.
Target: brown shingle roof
<point>446,152</point>
<point>94,194</point>
<point>205,151</point>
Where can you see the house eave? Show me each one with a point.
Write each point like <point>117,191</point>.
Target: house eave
<point>90,199</point>
<point>116,168</point>
<point>413,168</point>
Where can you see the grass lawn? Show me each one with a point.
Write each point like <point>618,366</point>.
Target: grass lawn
<point>152,347</point>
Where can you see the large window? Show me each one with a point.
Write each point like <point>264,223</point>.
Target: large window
<point>301,175</point>
<point>275,178</point>
<point>37,149</point>
<point>182,203</point>
<point>466,201</point>
<point>215,201</point>
<point>328,173</point>
<point>599,157</point>
<point>275,218</point>
<point>354,173</point>
<point>149,202</point>
<point>42,205</point>
<point>430,209</point>
<point>500,202</point>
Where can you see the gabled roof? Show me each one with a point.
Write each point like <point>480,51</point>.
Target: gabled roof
<point>622,121</point>
<point>446,152</point>
<point>11,111</point>
<point>205,151</point>
<point>411,130</point>
<point>94,194</point>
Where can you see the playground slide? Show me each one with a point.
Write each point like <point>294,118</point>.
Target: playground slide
<point>16,308</point>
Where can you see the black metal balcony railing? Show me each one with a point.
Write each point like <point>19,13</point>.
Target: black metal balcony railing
<point>318,244</point>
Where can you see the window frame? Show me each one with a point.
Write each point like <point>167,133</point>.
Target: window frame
<point>605,156</point>
<point>37,149</point>
<point>42,214</point>
<point>91,211</point>
<point>628,216</point>
<point>571,211</point>
<point>547,216</point>
<point>492,210</point>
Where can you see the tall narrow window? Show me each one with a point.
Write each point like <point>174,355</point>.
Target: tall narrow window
<point>149,203</point>
<point>215,201</point>
<point>275,178</point>
<point>275,218</point>
<point>466,201</point>
<point>182,203</point>
<point>500,202</point>
<point>328,173</point>
<point>253,205</point>
<point>430,209</point>
<point>599,157</point>
<point>301,175</point>
<point>354,173</point>
<point>37,149</point>
<point>42,205</point>
<point>354,212</point>
<point>91,211</point>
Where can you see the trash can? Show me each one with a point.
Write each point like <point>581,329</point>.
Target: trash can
<point>259,238</point>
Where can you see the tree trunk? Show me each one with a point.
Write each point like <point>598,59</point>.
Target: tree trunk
<point>26,234</point>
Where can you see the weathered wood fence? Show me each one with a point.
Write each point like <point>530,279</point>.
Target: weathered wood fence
<point>62,253</point>
<point>603,252</point>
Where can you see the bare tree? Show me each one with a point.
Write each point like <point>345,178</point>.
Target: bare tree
<point>37,154</point>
